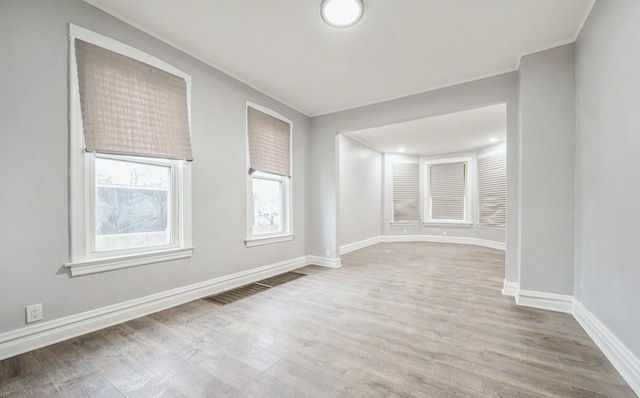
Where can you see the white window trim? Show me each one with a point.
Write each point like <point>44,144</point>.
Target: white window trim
<point>287,225</point>
<point>467,221</point>
<point>80,176</point>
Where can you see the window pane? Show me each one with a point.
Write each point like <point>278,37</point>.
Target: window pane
<point>406,191</point>
<point>448,191</point>
<point>267,206</point>
<point>131,205</point>
<point>492,190</point>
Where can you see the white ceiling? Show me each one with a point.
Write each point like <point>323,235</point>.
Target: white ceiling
<point>400,47</point>
<point>454,132</point>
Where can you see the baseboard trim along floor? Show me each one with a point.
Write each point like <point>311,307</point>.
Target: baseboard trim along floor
<point>50,332</point>
<point>344,249</point>
<point>627,364</point>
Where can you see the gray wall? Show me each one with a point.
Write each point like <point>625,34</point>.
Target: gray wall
<point>360,193</point>
<point>547,128</point>
<point>321,226</point>
<point>34,169</point>
<point>607,173</point>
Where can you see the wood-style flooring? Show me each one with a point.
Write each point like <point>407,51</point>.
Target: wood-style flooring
<point>397,320</point>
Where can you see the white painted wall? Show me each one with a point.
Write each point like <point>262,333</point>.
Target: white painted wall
<point>607,260</point>
<point>360,191</point>
<point>34,239</point>
<point>547,128</point>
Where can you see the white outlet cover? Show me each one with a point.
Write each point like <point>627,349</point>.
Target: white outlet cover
<point>34,313</point>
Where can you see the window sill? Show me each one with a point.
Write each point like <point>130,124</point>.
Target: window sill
<point>107,264</point>
<point>268,240</point>
<point>447,224</point>
<point>491,227</point>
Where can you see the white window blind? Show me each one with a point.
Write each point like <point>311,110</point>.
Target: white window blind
<point>269,143</point>
<point>130,107</point>
<point>492,190</point>
<point>406,192</point>
<point>447,187</point>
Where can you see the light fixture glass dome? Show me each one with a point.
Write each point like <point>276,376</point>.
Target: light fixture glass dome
<point>341,13</point>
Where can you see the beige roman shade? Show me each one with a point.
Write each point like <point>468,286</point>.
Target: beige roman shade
<point>406,191</point>
<point>269,143</point>
<point>447,186</point>
<point>131,108</point>
<point>492,190</point>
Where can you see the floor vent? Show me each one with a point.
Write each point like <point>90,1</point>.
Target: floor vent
<point>280,279</point>
<point>245,291</point>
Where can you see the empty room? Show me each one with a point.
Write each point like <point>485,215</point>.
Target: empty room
<point>319,198</point>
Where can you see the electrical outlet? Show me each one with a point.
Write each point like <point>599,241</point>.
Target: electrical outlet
<point>404,232</point>
<point>444,233</point>
<point>328,253</point>
<point>34,313</point>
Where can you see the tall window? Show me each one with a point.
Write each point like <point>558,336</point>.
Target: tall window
<point>448,186</point>
<point>130,143</point>
<point>269,176</point>
<point>406,191</point>
<point>492,190</point>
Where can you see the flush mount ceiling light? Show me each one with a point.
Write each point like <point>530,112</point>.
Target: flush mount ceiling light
<point>341,13</point>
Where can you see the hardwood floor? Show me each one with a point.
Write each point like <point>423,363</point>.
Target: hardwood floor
<point>397,320</point>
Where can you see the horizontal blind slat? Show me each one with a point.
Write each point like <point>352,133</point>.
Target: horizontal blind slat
<point>447,189</point>
<point>492,190</point>
<point>406,191</point>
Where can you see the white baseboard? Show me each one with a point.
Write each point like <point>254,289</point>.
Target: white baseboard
<point>49,332</point>
<point>324,261</point>
<point>444,239</point>
<point>348,248</point>
<point>545,301</point>
<point>344,249</point>
<point>625,362</point>
<point>510,288</point>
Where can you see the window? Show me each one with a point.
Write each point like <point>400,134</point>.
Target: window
<point>268,204</point>
<point>131,205</point>
<point>269,177</point>
<point>406,191</point>
<point>492,190</point>
<point>129,146</point>
<point>447,186</point>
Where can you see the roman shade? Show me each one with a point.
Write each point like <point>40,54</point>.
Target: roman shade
<point>447,187</point>
<point>492,190</point>
<point>129,107</point>
<point>406,191</point>
<point>269,143</point>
